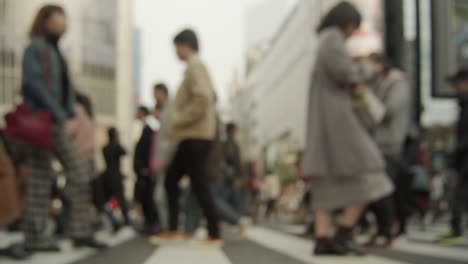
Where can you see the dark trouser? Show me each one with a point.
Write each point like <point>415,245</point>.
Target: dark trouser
<point>395,206</point>
<point>383,211</point>
<point>146,188</point>
<point>191,159</point>
<point>116,190</point>
<point>39,187</point>
<point>270,207</point>
<point>120,197</point>
<point>227,201</point>
<point>459,205</point>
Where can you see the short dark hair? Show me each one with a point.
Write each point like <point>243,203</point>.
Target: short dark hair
<point>161,87</point>
<point>112,134</point>
<point>38,27</point>
<point>342,15</point>
<point>187,37</point>
<point>144,110</point>
<point>230,127</point>
<point>382,59</point>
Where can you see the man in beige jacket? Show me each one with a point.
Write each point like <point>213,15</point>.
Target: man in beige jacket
<point>192,124</point>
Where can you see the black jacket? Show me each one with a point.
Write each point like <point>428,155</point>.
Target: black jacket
<point>461,152</point>
<point>143,148</point>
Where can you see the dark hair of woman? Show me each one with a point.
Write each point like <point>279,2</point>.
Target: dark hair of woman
<point>342,15</point>
<point>39,27</point>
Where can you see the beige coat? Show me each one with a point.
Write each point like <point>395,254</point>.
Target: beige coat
<point>193,113</point>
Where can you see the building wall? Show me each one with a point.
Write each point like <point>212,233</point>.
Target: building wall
<point>278,87</point>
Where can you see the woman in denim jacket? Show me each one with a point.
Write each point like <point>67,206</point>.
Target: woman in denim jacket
<point>47,86</point>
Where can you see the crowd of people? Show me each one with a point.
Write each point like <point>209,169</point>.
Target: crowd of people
<point>358,160</point>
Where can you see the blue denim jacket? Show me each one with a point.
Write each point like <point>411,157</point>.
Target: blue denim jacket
<point>42,81</point>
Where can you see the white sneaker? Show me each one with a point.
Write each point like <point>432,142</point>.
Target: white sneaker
<point>244,224</point>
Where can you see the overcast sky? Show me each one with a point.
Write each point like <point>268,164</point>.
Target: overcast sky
<point>220,25</point>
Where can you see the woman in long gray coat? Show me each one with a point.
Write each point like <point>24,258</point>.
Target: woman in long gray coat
<point>345,165</point>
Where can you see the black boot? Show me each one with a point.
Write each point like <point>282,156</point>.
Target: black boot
<point>345,238</point>
<point>327,247</point>
<point>16,252</point>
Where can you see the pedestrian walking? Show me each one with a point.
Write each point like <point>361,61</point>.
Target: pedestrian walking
<point>192,124</point>
<point>393,90</point>
<point>341,158</point>
<point>145,186</point>
<point>459,202</point>
<point>47,86</point>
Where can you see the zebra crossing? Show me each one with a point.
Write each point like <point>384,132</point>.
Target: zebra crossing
<point>261,245</point>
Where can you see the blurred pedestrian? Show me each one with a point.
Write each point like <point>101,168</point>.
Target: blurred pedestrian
<point>113,178</point>
<point>10,206</point>
<point>345,164</point>
<point>271,192</point>
<point>146,180</point>
<point>192,124</point>
<point>163,147</point>
<point>392,88</point>
<point>460,200</point>
<point>47,86</point>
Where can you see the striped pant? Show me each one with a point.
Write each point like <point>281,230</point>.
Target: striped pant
<point>39,186</point>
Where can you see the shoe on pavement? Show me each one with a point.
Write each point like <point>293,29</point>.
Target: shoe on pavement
<point>168,238</point>
<point>330,248</point>
<point>16,252</point>
<point>90,243</point>
<point>352,246</point>
<point>244,224</point>
<point>379,242</point>
<point>209,242</point>
<point>48,247</point>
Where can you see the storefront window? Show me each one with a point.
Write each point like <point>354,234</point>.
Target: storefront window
<point>450,42</point>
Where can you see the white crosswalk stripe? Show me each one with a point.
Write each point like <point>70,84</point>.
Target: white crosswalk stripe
<point>301,249</point>
<point>70,255</point>
<point>186,253</point>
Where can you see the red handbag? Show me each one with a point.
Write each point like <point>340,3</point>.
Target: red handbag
<point>34,128</point>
